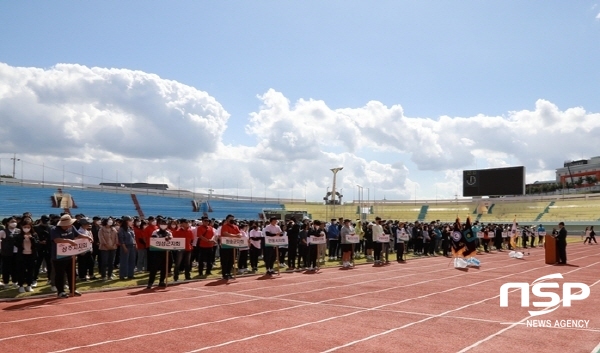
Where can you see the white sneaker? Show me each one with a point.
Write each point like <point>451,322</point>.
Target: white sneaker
<point>28,289</point>
<point>15,285</point>
<point>1,285</point>
<point>53,288</point>
<point>21,290</point>
<point>34,284</point>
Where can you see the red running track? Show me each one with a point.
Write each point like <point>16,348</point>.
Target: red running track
<point>421,306</point>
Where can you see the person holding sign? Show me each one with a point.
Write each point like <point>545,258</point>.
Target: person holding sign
<point>347,234</point>
<point>157,260</point>
<point>228,229</point>
<point>541,231</point>
<point>317,237</point>
<point>378,234</point>
<point>65,233</point>
<point>271,230</point>
<point>401,238</point>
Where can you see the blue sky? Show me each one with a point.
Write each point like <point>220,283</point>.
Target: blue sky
<point>433,58</point>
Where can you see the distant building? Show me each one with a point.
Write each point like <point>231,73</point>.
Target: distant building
<point>572,171</point>
<point>137,186</point>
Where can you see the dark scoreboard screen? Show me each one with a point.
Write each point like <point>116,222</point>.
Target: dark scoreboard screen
<point>494,182</point>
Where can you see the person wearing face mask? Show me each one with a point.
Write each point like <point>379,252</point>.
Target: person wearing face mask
<point>96,225</point>
<point>26,243</point>
<point>142,251</point>
<point>157,259</point>
<point>127,248</point>
<point>42,229</point>
<point>228,229</point>
<point>85,261</point>
<point>148,231</point>
<point>206,240</point>
<point>64,233</point>
<point>8,251</point>
<point>183,258</point>
<point>108,247</point>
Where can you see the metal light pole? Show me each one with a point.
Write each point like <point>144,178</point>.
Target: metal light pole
<point>15,159</point>
<point>335,171</point>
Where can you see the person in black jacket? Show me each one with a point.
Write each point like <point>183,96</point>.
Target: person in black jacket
<point>42,230</point>
<point>292,233</point>
<point>26,243</point>
<point>8,251</point>
<point>561,244</point>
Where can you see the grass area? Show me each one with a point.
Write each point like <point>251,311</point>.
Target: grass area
<point>141,279</point>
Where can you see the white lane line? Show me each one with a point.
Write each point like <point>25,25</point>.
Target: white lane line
<point>246,316</point>
<point>466,349</point>
<point>429,318</point>
<point>239,317</point>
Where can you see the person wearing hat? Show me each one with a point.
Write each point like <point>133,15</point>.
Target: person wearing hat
<point>228,229</point>
<point>127,248</point>
<point>157,260</point>
<point>64,233</point>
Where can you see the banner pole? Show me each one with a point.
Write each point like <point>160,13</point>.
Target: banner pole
<point>166,267</point>
<point>72,276</point>
<point>277,260</point>
<point>235,263</point>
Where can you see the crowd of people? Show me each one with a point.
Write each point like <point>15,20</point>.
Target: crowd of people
<point>121,246</point>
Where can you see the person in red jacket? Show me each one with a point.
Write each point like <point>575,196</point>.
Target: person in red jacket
<point>206,241</point>
<point>184,257</point>
<point>142,251</point>
<point>149,230</point>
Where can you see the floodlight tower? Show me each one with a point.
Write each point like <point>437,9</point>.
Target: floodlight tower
<point>335,171</point>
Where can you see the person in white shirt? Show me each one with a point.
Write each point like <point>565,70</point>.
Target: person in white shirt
<point>378,247</point>
<point>347,229</point>
<point>271,230</point>
<point>255,245</point>
<point>243,254</point>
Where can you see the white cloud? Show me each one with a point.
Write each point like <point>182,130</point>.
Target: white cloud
<point>73,109</point>
<point>598,16</point>
<point>142,127</point>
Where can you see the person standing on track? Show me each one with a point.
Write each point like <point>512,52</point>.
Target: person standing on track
<point>228,229</point>
<point>318,230</point>
<point>127,248</point>
<point>561,244</point>
<point>64,232</point>
<point>157,260</point>
<point>346,245</point>
<point>378,247</point>
<point>206,241</point>
<point>255,245</point>
<point>271,230</point>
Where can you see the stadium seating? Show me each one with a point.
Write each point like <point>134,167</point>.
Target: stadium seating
<point>504,212</point>
<point>449,212</point>
<point>15,200</point>
<point>576,210</point>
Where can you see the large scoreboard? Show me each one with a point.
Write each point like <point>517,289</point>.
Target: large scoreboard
<point>494,182</point>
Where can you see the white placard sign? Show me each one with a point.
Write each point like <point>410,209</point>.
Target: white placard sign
<point>82,246</point>
<point>352,239</point>
<point>276,241</point>
<point>162,244</point>
<point>317,240</point>
<point>232,242</point>
<point>384,238</point>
